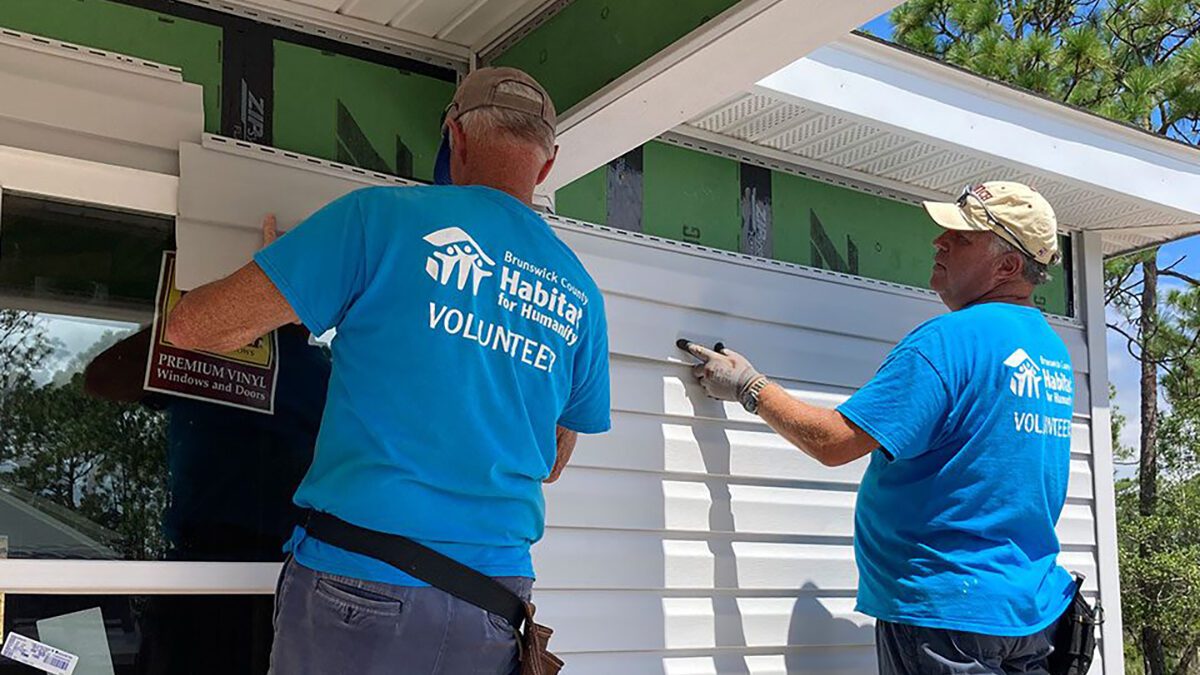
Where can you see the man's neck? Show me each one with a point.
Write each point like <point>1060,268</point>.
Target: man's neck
<point>525,195</point>
<point>1013,294</point>
<point>504,172</point>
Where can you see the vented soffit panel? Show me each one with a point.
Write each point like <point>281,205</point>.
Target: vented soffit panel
<point>876,115</point>
<point>79,102</point>
<point>1128,240</point>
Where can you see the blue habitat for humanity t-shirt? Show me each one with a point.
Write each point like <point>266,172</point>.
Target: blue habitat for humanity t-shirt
<point>954,526</point>
<point>466,331</point>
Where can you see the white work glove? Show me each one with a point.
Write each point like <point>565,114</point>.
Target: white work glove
<point>726,375</point>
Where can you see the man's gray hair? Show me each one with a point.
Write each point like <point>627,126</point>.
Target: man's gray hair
<point>1033,271</point>
<point>519,126</point>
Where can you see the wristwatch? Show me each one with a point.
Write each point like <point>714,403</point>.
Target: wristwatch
<point>749,395</point>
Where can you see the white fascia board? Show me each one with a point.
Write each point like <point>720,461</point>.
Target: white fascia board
<point>892,89</point>
<point>717,61</point>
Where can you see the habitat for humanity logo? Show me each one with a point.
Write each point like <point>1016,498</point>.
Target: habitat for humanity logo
<point>1026,381</point>
<point>457,252</point>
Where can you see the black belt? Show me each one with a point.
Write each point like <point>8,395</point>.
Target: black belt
<point>420,562</point>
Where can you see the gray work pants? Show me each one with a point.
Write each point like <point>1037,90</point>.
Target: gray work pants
<point>331,625</point>
<point>913,650</point>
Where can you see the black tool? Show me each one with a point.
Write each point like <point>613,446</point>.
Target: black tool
<point>684,344</point>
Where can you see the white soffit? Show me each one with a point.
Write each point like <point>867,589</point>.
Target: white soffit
<point>880,115</point>
<point>79,102</point>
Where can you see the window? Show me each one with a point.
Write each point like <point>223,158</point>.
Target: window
<point>91,465</point>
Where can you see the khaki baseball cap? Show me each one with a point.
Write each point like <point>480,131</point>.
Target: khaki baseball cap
<point>485,87</point>
<point>1016,212</point>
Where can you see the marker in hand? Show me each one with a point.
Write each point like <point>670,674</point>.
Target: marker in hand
<point>686,345</point>
<point>725,375</point>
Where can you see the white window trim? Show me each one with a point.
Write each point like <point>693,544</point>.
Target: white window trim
<point>40,174</point>
<point>129,577</point>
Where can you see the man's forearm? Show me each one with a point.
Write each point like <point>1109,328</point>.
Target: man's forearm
<point>565,440</point>
<point>823,434</point>
<point>826,435</point>
<point>230,313</point>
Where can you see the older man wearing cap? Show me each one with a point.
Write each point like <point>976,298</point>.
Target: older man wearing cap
<point>968,424</point>
<point>471,349</point>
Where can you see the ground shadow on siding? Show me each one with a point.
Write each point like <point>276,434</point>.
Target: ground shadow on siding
<point>824,643</point>
<point>820,642</point>
<point>727,616</point>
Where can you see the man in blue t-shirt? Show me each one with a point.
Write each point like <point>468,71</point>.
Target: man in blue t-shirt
<point>471,349</point>
<point>968,424</point>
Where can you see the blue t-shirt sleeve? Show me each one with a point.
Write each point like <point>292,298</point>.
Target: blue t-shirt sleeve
<point>588,408</point>
<point>904,406</point>
<point>319,265</point>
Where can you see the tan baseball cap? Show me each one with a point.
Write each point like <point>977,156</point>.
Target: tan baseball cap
<point>486,87</point>
<point>1016,212</point>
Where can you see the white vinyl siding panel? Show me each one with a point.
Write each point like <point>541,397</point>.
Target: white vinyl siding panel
<point>690,539</point>
<point>86,104</point>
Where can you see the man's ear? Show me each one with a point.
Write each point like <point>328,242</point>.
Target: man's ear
<point>458,140</point>
<point>547,167</point>
<point>1011,266</point>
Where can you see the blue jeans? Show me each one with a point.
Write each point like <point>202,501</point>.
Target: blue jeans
<point>913,650</point>
<point>330,625</point>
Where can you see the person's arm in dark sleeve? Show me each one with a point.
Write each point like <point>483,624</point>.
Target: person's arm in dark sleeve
<point>119,372</point>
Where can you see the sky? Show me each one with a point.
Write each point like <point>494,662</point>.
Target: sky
<point>879,26</point>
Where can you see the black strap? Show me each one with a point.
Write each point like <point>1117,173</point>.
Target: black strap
<point>420,562</point>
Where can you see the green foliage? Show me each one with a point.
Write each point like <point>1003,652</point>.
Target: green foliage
<point>1160,565</point>
<point>1121,452</point>
<point>1159,519</point>
<point>1134,61</point>
<point>23,348</point>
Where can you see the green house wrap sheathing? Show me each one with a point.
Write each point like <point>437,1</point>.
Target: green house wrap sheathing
<point>357,112</point>
<point>193,47</point>
<point>585,198</point>
<point>590,43</point>
<point>836,228</point>
<point>693,196</point>
<point>842,229</point>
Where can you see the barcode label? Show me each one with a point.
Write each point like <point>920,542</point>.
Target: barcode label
<point>41,656</point>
